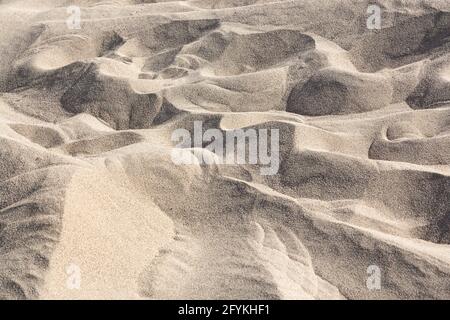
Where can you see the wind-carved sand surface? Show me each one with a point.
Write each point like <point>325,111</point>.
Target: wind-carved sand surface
<point>86,175</point>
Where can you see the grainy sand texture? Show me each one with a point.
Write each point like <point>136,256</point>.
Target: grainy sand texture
<point>345,105</point>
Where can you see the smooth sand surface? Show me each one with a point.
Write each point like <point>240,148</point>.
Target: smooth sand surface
<point>93,207</point>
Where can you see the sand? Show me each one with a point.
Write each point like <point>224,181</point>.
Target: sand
<point>92,205</point>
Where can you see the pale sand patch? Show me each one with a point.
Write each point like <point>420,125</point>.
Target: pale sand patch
<point>108,233</point>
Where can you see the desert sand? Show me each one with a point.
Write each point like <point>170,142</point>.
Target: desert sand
<point>93,207</point>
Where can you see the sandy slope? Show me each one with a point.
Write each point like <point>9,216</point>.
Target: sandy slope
<point>87,180</point>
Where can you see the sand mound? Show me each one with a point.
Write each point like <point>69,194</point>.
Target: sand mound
<point>93,206</point>
<point>333,91</point>
<point>432,89</point>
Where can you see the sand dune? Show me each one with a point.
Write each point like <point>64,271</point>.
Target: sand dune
<point>92,205</point>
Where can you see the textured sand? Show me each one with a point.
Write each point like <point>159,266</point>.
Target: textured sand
<point>87,180</point>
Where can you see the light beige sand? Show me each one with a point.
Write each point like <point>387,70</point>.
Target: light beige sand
<point>92,206</point>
